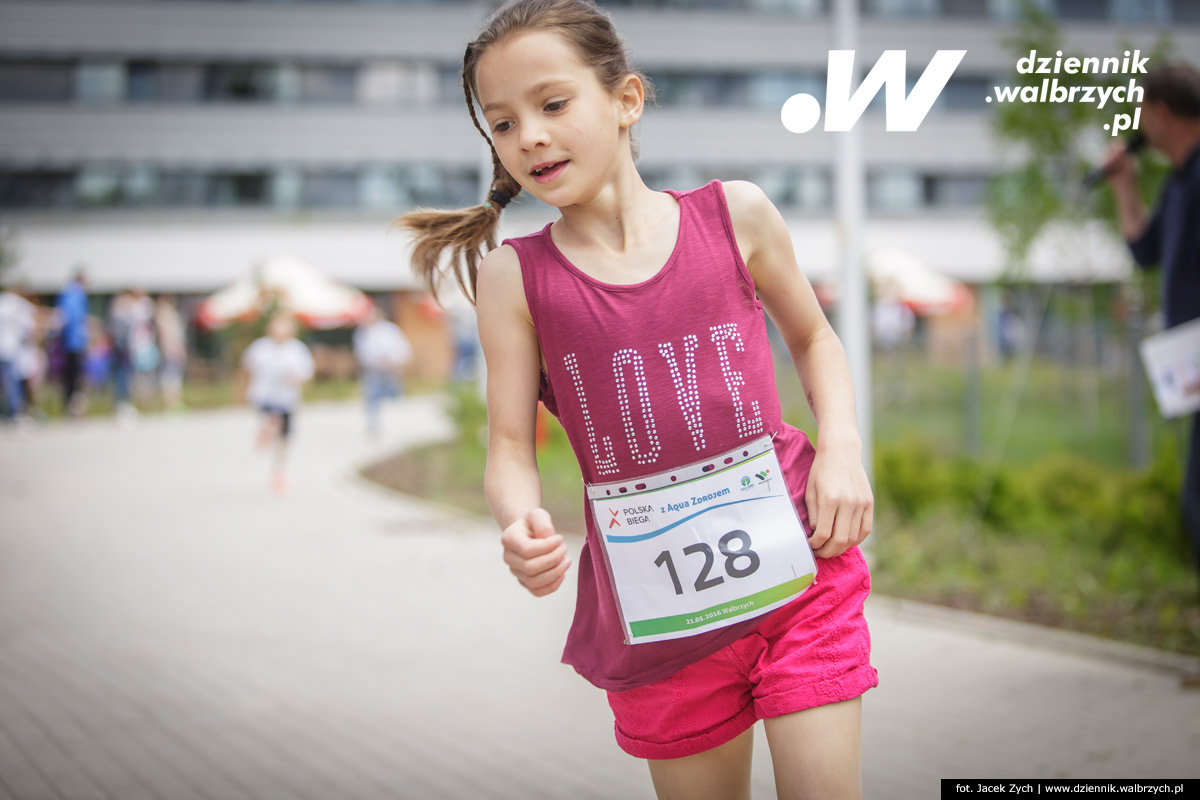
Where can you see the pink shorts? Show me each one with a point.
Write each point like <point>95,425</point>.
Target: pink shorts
<point>812,652</point>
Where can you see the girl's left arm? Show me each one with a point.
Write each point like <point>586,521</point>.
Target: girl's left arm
<point>840,504</point>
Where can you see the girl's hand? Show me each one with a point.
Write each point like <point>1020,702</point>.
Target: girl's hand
<point>535,553</point>
<point>841,507</point>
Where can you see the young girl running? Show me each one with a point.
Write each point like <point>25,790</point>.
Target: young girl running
<point>637,318</point>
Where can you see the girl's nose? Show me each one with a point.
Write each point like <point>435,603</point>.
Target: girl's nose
<point>533,134</point>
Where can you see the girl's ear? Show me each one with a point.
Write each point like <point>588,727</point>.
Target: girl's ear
<point>631,95</point>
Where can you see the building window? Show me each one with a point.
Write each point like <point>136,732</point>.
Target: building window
<point>139,185</point>
<point>965,93</point>
<point>955,191</point>
<point>975,9</point>
<point>894,190</point>
<point>328,84</point>
<point>900,8</point>
<point>151,81</point>
<point>802,188</point>
<point>100,82</point>
<point>812,190</point>
<point>392,83</point>
<point>1082,10</point>
<point>703,89</point>
<point>770,90</point>
<point>1140,11</point>
<point>1010,10</point>
<point>329,190</point>
<point>1185,10</point>
<point>239,82</point>
<point>450,88</point>
<point>36,81</point>
<point>380,189</point>
<point>182,189</point>
<point>98,187</point>
<point>239,189</point>
<point>110,186</point>
<point>37,188</point>
<point>441,187</point>
<point>791,187</point>
<point>802,8</point>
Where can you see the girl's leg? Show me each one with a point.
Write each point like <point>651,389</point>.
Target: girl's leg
<point>722,773</point>
<point>817,753</point>
<point>282,431</point>
<point>267,430</point>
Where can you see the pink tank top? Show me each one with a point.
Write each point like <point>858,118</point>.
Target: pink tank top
<point>647,377</point>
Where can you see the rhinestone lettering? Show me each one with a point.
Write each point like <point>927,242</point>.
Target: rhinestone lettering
<point>722,335</point>
<point>608,464</point>
<point>622,359</point>
<point>687,388</point>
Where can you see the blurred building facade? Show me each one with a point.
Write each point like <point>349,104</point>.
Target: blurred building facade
<point>170,143</point>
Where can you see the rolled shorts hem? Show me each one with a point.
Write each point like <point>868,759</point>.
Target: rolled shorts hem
<point>852,684</point>
<point>715,737</point>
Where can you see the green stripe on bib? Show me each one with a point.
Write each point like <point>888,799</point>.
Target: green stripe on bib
<point>743,605</point>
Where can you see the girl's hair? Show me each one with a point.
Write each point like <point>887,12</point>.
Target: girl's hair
<point>464,233</point>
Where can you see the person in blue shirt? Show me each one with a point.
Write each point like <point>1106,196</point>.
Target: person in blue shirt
<point>1169,237</point>
<point>72,308</point>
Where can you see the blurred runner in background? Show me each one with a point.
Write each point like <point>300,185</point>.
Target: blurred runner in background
<point>17,324</point>
<point>72,305</point>
<point>278,364</point>
<point>172,346</point>
<point>382,352</point>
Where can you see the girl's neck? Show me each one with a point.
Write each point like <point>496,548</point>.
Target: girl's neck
<point>624,237</point>
<point>622,216</point>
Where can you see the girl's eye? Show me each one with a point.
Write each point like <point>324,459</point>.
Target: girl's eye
<point>501,127</point>
<point>556,105</point>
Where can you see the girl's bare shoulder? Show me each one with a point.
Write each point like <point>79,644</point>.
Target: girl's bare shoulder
<point>499,286</point>
<point>745,199</point>
<point>498,270</point>
<point>757,224</point>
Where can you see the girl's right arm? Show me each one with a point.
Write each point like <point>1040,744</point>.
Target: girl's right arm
<point>533,551</point>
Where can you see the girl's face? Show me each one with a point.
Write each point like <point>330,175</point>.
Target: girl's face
<point>281,329</point>
<point>557,130</point>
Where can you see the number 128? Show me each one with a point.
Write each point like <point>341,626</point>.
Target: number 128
<point>726,547</point>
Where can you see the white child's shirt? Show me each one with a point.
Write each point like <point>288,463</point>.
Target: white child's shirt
<point>17,322</point>
<point>276,371</point>
<point>381,346</point>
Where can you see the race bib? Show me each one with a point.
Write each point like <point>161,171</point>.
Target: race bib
<point>703,546</point>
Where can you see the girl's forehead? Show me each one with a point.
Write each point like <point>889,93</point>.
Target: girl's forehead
<point>514,64</point>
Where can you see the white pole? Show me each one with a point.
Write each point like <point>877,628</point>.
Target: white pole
<point>853,319</point>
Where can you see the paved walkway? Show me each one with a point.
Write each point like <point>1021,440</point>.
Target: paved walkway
<point>170,629</point>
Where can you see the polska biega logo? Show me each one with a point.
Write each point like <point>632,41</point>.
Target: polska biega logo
<point>764,479</point>
<point>843,107</point>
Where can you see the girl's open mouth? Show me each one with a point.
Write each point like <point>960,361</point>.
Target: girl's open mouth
<point>548,172</point>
